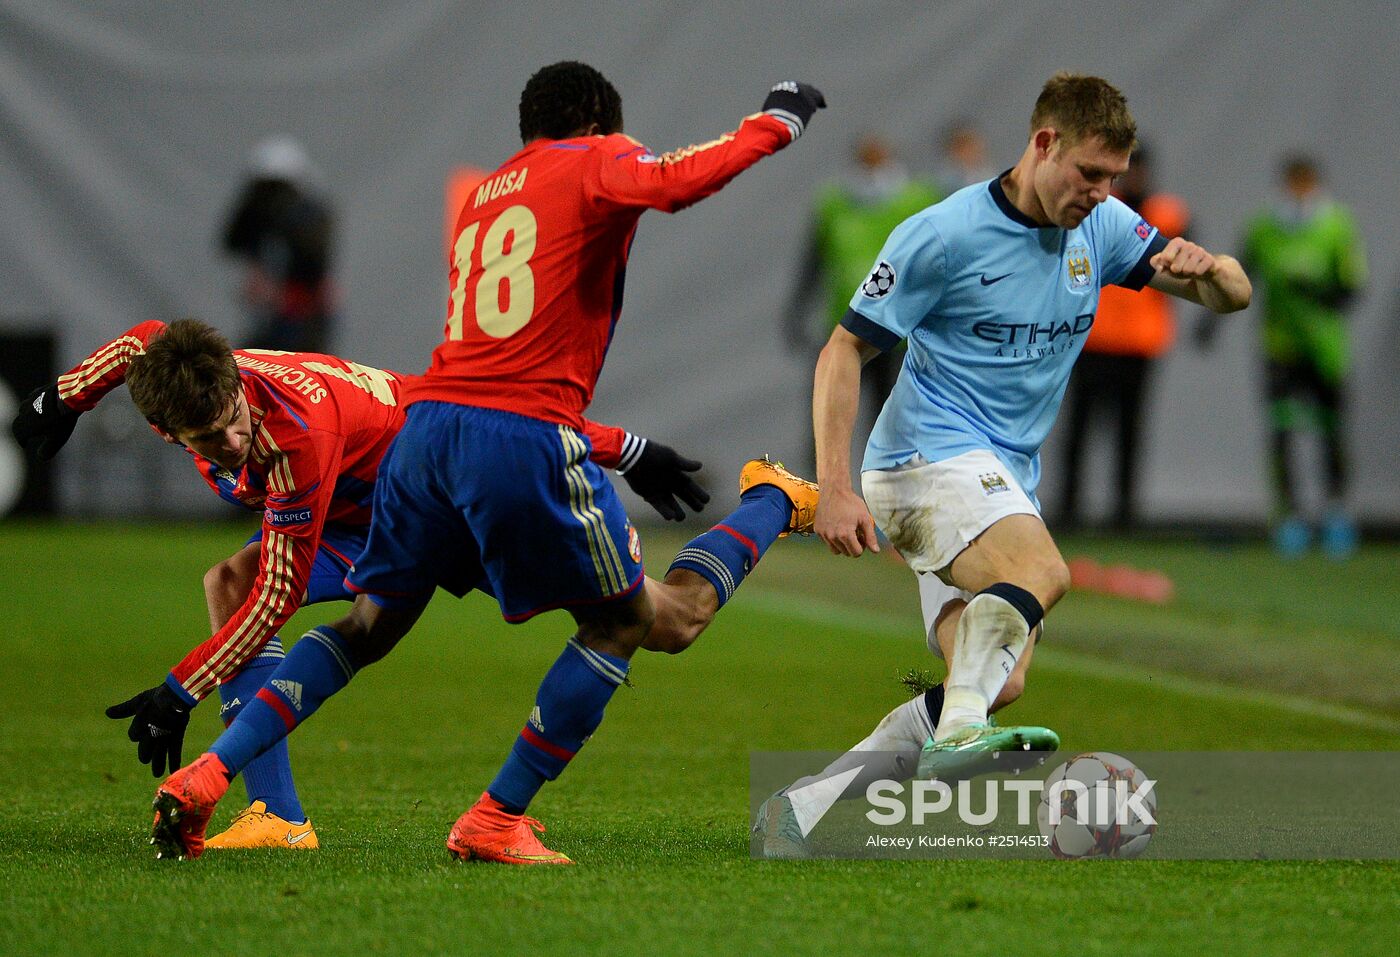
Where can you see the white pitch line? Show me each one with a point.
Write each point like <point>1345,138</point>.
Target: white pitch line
<point>906,628</point>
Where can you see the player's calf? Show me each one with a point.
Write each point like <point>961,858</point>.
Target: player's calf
<point>772,503</point>
<point>993,632</point>
<point>685,605</point>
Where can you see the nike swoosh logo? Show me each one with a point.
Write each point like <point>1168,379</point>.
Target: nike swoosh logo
<point>988,282</point>
<point>294,838</point>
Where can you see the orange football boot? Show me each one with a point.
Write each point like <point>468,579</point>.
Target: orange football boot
<point>183,805</point>
<point>803,494</point>
<point>256,826</point>
<point>487,833</point>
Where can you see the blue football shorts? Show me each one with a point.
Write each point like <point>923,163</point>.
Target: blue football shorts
<point>465,491</point>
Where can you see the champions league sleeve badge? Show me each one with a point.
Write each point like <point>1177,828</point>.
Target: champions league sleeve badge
<point>881,282</point>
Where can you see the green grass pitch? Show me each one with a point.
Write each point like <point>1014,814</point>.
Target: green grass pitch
<point>1253,654</point>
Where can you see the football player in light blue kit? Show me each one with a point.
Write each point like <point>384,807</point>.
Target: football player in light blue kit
<point>994,289</point>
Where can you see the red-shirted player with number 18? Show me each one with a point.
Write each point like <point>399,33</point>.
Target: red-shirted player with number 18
<point>490,474</point>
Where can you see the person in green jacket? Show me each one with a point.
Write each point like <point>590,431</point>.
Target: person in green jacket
<point>851,218</point>
<point>1305,255</point>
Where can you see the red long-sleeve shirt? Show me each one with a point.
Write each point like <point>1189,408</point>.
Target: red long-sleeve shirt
<point>539,257</point>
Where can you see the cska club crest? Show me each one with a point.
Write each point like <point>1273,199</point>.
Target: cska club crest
<point>1077,263</point>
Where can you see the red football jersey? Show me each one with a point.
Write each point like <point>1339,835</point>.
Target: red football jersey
<point>538,260</point>
<point>321,424</point>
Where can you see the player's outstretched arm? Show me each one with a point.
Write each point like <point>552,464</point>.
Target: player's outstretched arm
<point>46,419</point>
<point>675,180</point>
<point>301,481</point>
<point>842,520</point>
<point>1188,271</point>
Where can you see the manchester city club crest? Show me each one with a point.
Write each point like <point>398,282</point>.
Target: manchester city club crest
<point>992,483</point>
<point>1078,267</point>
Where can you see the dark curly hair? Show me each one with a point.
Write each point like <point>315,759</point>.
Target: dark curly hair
<point>564,98</point>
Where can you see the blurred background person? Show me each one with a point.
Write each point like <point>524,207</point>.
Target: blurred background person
<point>850,219</point>
<point>1131,331</point>
<point>1305,256</point>
<point>281,230</point>
<point>962,157</point>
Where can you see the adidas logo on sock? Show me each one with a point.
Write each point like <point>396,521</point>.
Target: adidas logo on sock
<point>292,690</point>
<point>536,721</point>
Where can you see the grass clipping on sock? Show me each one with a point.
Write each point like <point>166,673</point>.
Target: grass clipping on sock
<point>918,680</point>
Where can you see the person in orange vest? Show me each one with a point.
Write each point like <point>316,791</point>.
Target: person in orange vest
<point>1130,331</point>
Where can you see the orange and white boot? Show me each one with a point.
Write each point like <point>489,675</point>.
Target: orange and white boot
<point>256,826</point>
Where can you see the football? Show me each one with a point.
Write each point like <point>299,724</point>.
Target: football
<point>1098,805</point>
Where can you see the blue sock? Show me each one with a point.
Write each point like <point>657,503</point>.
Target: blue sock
<point>317,667</point>
<point>725,554</point>
<point>267,778</point>
<point>568,708</point>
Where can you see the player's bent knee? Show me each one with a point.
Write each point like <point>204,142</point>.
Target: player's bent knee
<point>225,583</point>
<point>371,631</point>
<point>951,607</point>
<point>1053,581</point>
<point>619,628</point>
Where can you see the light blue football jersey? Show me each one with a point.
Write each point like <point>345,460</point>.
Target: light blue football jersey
<point>995,310</point>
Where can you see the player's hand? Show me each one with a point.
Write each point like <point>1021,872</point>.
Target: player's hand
<point>794,103</point>
<point>158,719</point>
<point>844,523</point>
<point>661,475</point>
<point>44,422</point>
<point>1184,259</point>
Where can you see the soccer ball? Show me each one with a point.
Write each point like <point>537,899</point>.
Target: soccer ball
<point>1085,811</point>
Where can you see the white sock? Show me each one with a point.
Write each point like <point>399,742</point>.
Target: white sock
<point>991,636</point>
<point>890,752</point>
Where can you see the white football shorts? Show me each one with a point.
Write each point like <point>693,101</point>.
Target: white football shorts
<point>931,511</point>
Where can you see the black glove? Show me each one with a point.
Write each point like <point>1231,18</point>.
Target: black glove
<point>794,103</point>
<point>158,719</point>
<point>44,422</point>
<point>660,475</point>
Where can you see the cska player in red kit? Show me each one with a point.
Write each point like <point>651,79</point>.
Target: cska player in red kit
<point>297,437</point>
<point>490,473</point>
